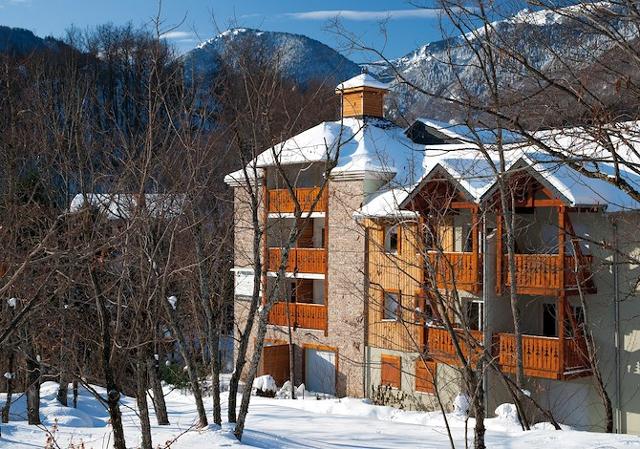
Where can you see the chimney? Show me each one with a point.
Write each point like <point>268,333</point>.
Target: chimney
<point>362,96</point>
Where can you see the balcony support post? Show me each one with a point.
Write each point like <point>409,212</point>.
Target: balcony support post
<point>265,244</point>
<point>562,300</point>
<point>475,246</point>
<point>499,254</point>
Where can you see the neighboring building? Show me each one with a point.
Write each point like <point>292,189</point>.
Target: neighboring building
<point>568,229</point>
<point>408,214</point>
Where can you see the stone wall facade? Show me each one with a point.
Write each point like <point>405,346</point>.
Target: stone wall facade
<point>344,292</point>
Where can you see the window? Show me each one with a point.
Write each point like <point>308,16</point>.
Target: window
<point>244,282</point>
<point>423,309</point>
<point>391,239</point>
<point>425,374</point>
<point>474,315</point>
<point>390,371</point>
<point>391,306</point>
<point>549,328</point>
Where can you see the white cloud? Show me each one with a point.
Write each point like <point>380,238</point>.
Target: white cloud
<point>179,35</point>
<point>347,14</point>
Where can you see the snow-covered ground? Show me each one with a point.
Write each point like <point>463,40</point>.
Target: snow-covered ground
<point>282,423</point>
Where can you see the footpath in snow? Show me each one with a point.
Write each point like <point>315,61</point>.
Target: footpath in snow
<point>284,423</point>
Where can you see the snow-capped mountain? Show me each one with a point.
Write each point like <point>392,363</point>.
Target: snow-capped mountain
<point>298,57</point>
<point>549,41</point>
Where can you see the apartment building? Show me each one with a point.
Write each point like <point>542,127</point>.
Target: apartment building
<point>568,247</point>
<point>323,295</point>
<point>406,214</point>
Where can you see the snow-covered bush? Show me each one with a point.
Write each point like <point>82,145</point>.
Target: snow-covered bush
<point>461,404</point>
<point>265,386</point>
<point>507,412</point>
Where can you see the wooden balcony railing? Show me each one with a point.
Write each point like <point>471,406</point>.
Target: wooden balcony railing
<point>541,274</point>
<point>306,316</point>
<point>441,348</point>
<point>464,268</point>
<point>541,356</point>
<point>280,200</point>
<point>299,260</point>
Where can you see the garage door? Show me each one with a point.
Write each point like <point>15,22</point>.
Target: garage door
<point>320,371</point>
<point>275,362</point>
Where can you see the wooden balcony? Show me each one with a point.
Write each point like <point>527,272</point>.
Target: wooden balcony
<point>280,200</point>
<point>299,260</point>
<point>441,348</point>
<point>464,268</point>
<point>541,356</point>
<point>306,316</point>
<point>545,274</point>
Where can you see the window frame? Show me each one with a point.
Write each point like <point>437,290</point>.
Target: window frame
<point>386,234</point>
<point>398,310</point>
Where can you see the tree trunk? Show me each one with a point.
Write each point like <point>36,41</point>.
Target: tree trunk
<point>478,410</point>
<point>292,362</point>
<point>159,404</point>
<point>113,392</point>
<point>141,399</point>
<point>253,369</point>
<point>214,339</point>
<point>33,390</point>
<point>75,393</point>
<point>9,380</point>
<point>212,328</point>
<point>191,366</point>
<point>241,355</point>
<point>63,390</point>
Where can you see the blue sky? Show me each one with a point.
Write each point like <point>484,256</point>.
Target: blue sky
<point>407,27</point>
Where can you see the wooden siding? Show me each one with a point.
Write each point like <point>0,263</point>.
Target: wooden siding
<point>280,200</point>
<point>390,370</point>
<point>402,273</point>
<point>369,102</point>
<point>425,375</point>
<point>541,356</point>
<point>299,260</point>
<point>305,316</point>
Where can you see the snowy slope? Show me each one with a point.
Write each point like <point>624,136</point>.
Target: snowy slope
<point>298,57</point>
<point>282,423</point>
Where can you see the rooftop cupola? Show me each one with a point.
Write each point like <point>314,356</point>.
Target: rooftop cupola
<point>362,95</point>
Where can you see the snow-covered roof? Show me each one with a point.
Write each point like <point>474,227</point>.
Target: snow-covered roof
<point>576,188</point>
<point>364,145</point>
<point>378,148</point>
<point>384,203</point>
<point>122,205</point>
<point>464,132</point>
<point>470,170</point>
<point>362,80</point>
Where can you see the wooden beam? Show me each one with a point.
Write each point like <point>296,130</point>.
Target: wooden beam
<point>499,254</point>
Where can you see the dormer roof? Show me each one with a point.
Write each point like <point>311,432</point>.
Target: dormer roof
<point>361,81</point>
